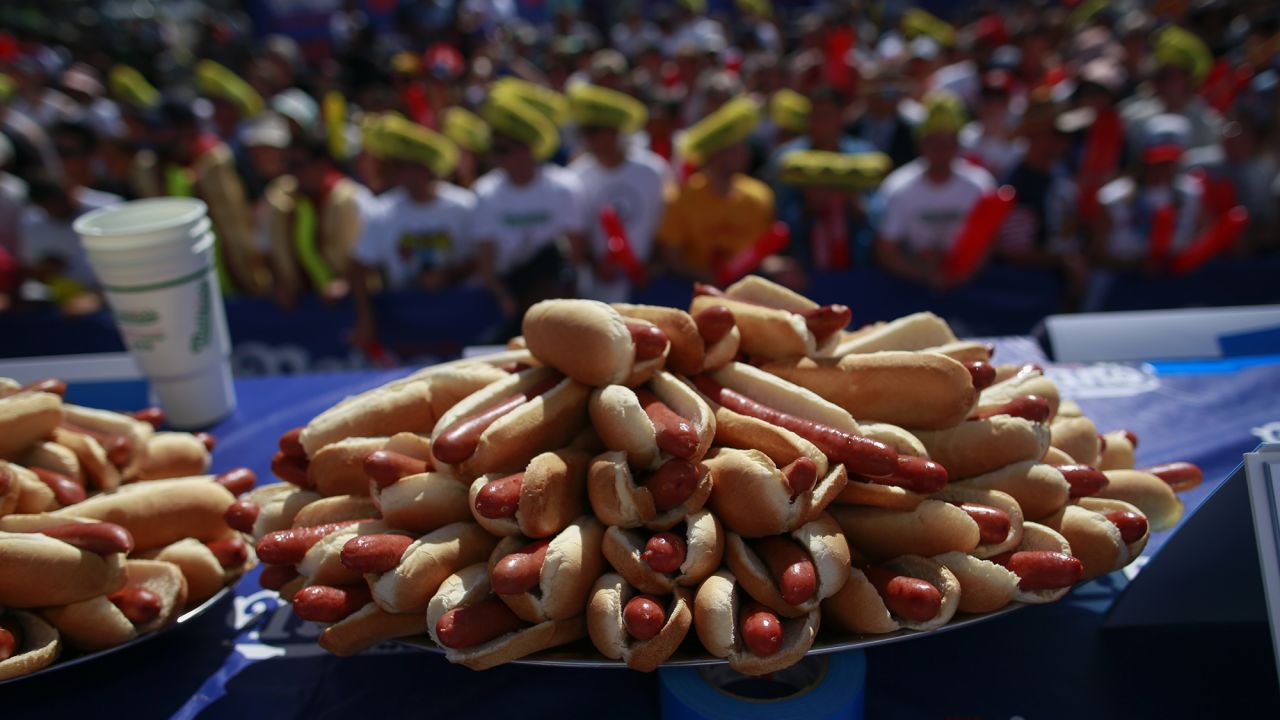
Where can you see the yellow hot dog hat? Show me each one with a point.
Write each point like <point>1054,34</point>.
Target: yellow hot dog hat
<point>818,168</point>
<point>593,105</point>
<point>399,138</point>
<point>943,112</point>
<point>1180,48</point>
<point>550,103</point>
<point>217,81</point>
<point>789,110</point>
<point>515,118</point>
<point>466,129</point>
<point>731,124</point>
<point>131,88</point>
<point>917,22</point>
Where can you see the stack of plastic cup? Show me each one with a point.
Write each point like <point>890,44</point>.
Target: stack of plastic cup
<point>156,260</point>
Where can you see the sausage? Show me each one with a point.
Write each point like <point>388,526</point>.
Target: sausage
<point>983,374</point>
<point>1027,407</point>
<point>1131,436</point>
<point>500,498</point>
<point>208,440</point>
<point>705,289</point>
<point>274,577</point>
<point>790,566</point>
<point>65,490</point>
<point>910,598</point>
<point>329,604</point>
<point>459,442</point>
<point>1132,525</point>
<point>861,455</point>
<point>673,433</point>
<point>152,416</point>
<point>137,603</point>
<point>1179,475</point>
<point>49,385</point>
<point>1043,569</point>
<point>1083,479</point>
<point>761,630</point>
<point>514,367</point>
<point>916,474</point>
<point>99,538</point>
<point>993,523</point>
<point>388,467</point>
<point>801,475</point>
<point>470,625</point>
<point>672,483</point>
<point>714,323</point>
<point>238,481</point>
<point>117,447</point>
<point>520,571</point>
<point>665,552</point>
<point>827,320</point>
<point>643,617</point>
<point>291,469</point>
<point>241,515</point>
<point>650,341</point>
<point>287,547</point>
<point>9,643</point>
<point>291,444</point>
<point>230,551</point>
<point>1102,444</point>
<point>374,553</point>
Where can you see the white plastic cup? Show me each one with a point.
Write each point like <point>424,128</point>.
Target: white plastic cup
<point>155,260</point>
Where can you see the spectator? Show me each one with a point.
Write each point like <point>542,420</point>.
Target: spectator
<point>13,198</point>
<point>829,187</point>
<point>471,134</point>
<point>926,201</point>
<point>32,95</point>
<point>187,162</point>
<point>1129,229</point>
<point>139,101</point>
<point>419,234</point>
<point>526,209</point>
<point>882,123</point>
<point>51,251</point>
<point>33,152</point>
<point>234,100</point>
<point>988,141</point>
<point>1240,174</point>
<point>83,85</point>
<point>617,175</point>
<point>718,211</point>
<point>1182,61</point>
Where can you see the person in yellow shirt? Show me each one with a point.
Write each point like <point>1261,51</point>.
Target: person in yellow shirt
<point>718,211</point>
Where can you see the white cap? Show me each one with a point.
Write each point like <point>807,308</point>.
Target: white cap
<point>268,129</point>
<point>298,106</point>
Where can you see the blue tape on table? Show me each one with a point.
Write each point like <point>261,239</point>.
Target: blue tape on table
<point>817,688</point>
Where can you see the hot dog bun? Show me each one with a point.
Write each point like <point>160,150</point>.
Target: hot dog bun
<point>912,332</point>
<point>1148,493</point>
<point>26,418</point>
<point>618,498</point>
<point>976,447</point>
<point>958,493</point>
<point>984,586</point>
<point>426,563</point>
<point>552,495</point>
<point>40,645</point>
<point>622,424</point>
<point>423,502</point>
<point>826,547</point>
<point>716,619</point>
<point>169,455</point>
<point>704,549</point>
<point>859,608</point>
<point>931,529</point>
<point>608,632</point>
<point>557,330</point>
<point>751,496</point>
<point>37,570</point>
<point>162,512</point>
<point>1040,489</point>
<point>369,626</point>
<point>573,562</point>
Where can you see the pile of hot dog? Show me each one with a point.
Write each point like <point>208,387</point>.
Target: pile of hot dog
<point>108,529</point>
<point>632,473</point>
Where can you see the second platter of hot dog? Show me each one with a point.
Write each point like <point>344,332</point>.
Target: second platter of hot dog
<point>745,482</point>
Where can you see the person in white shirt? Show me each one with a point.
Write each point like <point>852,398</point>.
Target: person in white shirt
<point>529,213</point>
<point>614,174</point>
<point>927,201</point>
<point>419,233</point>
<point>50,249</point>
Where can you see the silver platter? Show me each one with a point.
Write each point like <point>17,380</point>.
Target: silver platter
<point>583,655</point>
<point>78,659</point>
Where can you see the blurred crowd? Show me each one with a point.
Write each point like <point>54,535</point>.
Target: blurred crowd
<point>605,143</point>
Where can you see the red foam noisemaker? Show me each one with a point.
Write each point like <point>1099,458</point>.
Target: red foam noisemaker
<point>977,233</point>
<point>618,250</point>
<point>772,241</point>
<point>1162,224</point>
<point>1215,240</point>
<point>1101,155</point>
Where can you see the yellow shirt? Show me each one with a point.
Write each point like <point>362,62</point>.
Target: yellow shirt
<point>709,228</point>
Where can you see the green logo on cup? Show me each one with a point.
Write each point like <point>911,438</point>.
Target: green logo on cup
<point>200,338</point>
<point>137,317</point>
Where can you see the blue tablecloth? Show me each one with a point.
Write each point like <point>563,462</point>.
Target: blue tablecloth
<point>245,658</point>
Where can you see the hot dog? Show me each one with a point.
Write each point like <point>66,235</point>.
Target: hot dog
<point>908,592</point>
<point>985,586</point>
<point>1097,541</point>
<point>913,479</point>
<point>1041,490</point>
<point>698,343</point>
<point>407,587</point>
<point>207,567</point>
<point>1015,381</point>
<point>1180,476</point>
<point>27,418</point>
<point>933,528</point>
<point>537,502</point>
<point>65,490</point>
<point>1127,518</point>
<point>1044,564</point>
<point>998,517</point>
<point>1153,496</point>
<point>480,631</point>
<point>328,603</point>
<point>367,627</point>
<point>267,508</point>
<point>641,630</point>
<point>750,636</point>
<point>917,331</point>
<point>161,512</point>
<point>342,467</point>
<point>664,418</point>
<point>774,322</point>
<point>1078,438</point>
<point>38,570</point>
<point>411,404</point>
<point>53,456</point>
<point>169,455</point>
<point>96,468</point>
<point>1117,450</point>
<point>999,437</point>
<point>122,437</point>
<point>32,644</point>
<point>500,428</point>
<point>562,570</point>
<point>791,574</point>
<point>911,389</point>
<point>624,351</point>
<point>288,547</point>
<point>657,500</point>
<point>682,556</point>
<point>153,597</point>
<point>755,498</point>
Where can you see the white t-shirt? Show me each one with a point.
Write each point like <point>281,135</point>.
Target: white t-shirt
<point>403,238</point>
<point>44,237</point>
<point>522,220</point>
<point>925,216</point>
<point>995,153</point>
<point>634,189</point>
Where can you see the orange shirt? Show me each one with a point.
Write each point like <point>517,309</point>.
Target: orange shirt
<point>709,228</point>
